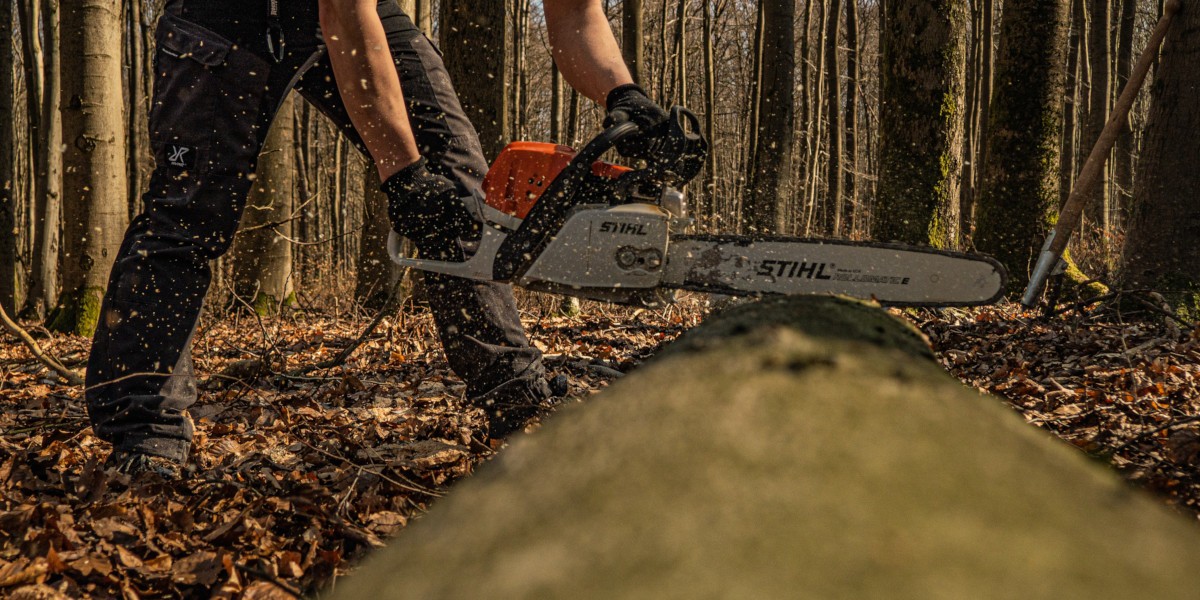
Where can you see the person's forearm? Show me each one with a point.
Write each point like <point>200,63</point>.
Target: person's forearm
<point>584,47</point>
<point>366,77</point>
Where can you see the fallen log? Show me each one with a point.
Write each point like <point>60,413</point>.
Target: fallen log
<point>793,448</point>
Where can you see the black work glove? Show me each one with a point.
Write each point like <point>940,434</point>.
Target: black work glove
<point>630,103</point>
<point>427,209</point>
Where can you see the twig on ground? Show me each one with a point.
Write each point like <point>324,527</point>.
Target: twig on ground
<point>269,578</point>
<point>70,376</point>
<point>1149,433</point>
<point>344,355</point>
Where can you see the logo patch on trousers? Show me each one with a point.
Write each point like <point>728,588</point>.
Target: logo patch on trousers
<point>181,157</point>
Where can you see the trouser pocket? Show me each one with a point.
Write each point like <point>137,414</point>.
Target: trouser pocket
<point>207,103</point>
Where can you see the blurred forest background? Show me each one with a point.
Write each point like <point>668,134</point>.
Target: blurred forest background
<point>960,124</point>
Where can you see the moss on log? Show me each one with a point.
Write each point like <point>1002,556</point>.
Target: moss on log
<point>793,448</point>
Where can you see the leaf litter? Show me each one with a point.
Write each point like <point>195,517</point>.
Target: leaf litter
<point>297,474</point>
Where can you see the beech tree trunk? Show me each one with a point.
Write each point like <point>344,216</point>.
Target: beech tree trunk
<point>9,191</point>
<point>48,178</point>
<point>1073,100</point>
<point>845,463</point>
<point>1124,157</point>
<point>94,182</point>
<point>851,210</point>
<point>709,199</point>
<point>1099,103</point>
<point>1019,200</point>
<point>923,46</point>
<point>833,100</point>
<point>473,36</point>
<point>262,255</point>
<point>770,174</point>
<point>1161,250</point>
<point>632,38</point>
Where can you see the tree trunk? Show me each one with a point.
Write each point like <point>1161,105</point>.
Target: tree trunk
<point>262,255</point>
<point>95,212</point>
<point>986,80</point>
<point>46,140</point>
<point>377,274</point>
<point>815,126</point>
<point>666,61</point>
<point>9,191</point>
<point>1019,198</point>
<point>923,45</point>
<point>845,464</point>
<point>851,211</point>
<point>633,42</point>
<point>423,14</point>
<point>707,210</point>
<point>771,164</point>
<point>1099,94</point>
<point>1161,251</point>
<point>1072,100</point>
<point>520,100</point>
<point>833,100</point>
<point>756,93</point>
<point>473,41</point>
<point>681,70</point>
<point>1124,158</point>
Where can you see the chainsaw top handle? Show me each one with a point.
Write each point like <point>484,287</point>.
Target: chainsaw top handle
<point>679,155</point>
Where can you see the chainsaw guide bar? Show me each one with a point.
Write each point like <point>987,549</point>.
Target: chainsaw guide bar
<point>893,274</point>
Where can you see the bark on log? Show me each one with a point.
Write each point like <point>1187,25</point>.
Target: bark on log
<point>793,448</point>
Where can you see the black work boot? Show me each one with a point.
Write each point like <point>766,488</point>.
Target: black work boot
<point>135,464</point>
<point>514,405</point>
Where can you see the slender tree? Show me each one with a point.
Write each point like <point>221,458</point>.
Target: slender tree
<point>833,99</point>
<point>8,187</point>
<point>851,212</point>
<point>1161,251</point>
<point>770,173</point>
<point>1099,103</point>
<point>95,212</point>
<point>48,176</point>
<point>923,45</point>
<point>1019,197</point>
<point>1072,99</point>
<point>632,38</point>
<point>710,111</point>
<point>681,64</point>
<point>1124,157</point>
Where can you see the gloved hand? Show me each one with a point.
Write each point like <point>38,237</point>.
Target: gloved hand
<point>630,103</point>
<point>426,208</point>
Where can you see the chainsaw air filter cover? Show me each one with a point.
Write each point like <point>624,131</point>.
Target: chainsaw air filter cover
<point>523,170</point>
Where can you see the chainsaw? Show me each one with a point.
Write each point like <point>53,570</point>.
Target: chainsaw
<point>565,222</point>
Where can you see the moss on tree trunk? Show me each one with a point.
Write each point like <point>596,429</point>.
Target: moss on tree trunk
<point>1018,203</point>
<point>78,311</point>
<point>794,448</point>
<point>923,46</point>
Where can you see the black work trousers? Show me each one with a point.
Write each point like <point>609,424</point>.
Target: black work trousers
<point>218,86</point>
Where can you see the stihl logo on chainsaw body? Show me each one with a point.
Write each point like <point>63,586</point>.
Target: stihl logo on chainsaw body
<point>623,228</point>
<point>791,269</point>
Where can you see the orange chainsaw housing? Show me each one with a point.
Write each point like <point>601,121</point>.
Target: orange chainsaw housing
<point>523,171</point>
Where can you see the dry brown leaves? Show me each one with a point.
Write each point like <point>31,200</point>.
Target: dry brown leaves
<point>1122,388</point>
<point>295,477</point>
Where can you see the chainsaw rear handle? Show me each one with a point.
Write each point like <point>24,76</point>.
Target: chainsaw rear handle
<point>678,159</point>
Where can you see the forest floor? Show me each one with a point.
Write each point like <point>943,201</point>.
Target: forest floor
<point>298,473</point>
